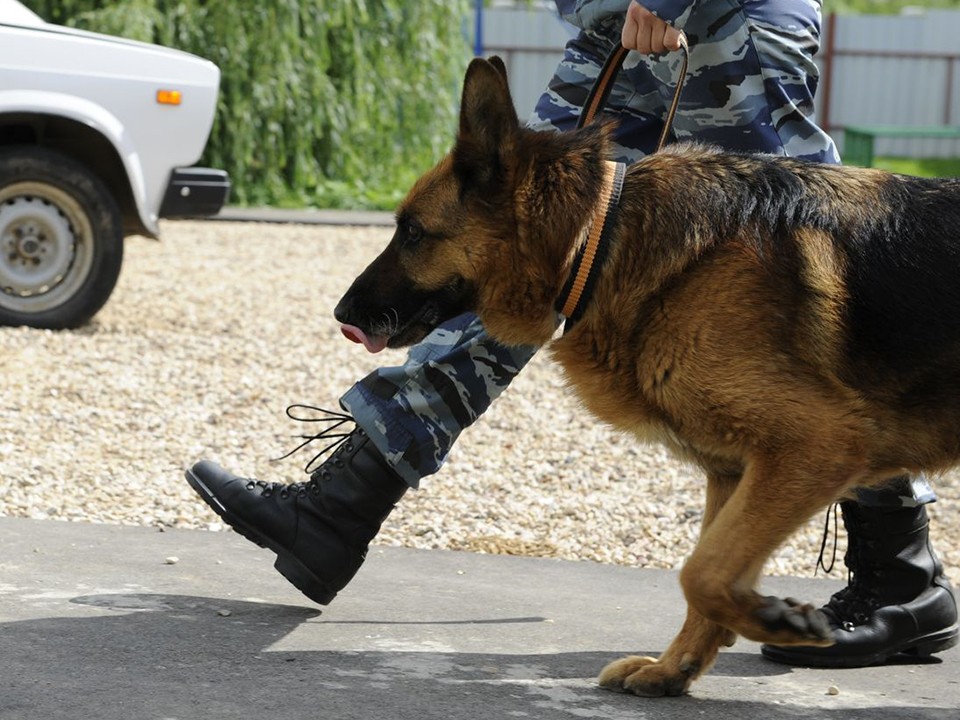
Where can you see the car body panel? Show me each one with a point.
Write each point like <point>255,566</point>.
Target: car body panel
<point>110,84</point>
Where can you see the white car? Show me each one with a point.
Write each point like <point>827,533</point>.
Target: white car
<point>97,136</point>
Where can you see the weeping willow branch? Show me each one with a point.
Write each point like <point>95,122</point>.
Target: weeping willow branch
<point>331,103</point>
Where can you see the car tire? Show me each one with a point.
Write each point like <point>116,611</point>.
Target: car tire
<point>61,239</point>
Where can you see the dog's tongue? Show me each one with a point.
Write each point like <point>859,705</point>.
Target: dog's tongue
<point>372,344</point>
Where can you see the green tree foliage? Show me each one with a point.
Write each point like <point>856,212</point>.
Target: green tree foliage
<point>332,103</point>
<point>883,7</point>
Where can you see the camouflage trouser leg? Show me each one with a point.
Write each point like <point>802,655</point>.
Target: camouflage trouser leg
<point>414,412</point>
<point>749,86</point>
<point>904,491</point>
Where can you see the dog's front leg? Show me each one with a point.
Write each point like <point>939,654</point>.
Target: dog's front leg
<point>695,647</point>
<point>776,495</point>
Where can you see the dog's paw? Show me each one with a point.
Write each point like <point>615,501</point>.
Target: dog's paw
<point>793,622</point>
<point>648,677</point>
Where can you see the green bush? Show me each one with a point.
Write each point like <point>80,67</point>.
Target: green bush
<point>884,6</point>
<point>328,103</point>
<point>923,167</point>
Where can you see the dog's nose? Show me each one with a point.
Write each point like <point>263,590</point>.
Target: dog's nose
<point>342,311</point>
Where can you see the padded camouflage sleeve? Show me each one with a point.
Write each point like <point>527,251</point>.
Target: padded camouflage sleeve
<point>594,13</point>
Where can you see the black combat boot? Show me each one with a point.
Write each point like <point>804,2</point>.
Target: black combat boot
<point>319,529</point>
<point>897,601</point>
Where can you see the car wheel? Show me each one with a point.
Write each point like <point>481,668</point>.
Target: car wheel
<point>61,240</point>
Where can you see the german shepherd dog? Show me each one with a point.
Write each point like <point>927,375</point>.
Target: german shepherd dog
<point>790,327</point>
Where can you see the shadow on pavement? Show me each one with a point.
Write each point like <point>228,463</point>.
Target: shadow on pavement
<point>163,656</point>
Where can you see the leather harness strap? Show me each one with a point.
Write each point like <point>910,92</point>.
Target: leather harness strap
<point>593,253</point>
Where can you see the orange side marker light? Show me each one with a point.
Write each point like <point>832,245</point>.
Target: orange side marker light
<point>168,97</point>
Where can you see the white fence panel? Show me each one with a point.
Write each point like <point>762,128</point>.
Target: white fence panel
<point>530,40</point>
<point>897,70</point>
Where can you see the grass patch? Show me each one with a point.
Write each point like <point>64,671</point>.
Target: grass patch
<point>924,167</point>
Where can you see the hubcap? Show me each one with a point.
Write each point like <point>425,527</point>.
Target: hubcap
<point>46,247</point>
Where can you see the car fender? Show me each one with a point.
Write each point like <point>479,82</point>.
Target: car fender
<point>96,117</point>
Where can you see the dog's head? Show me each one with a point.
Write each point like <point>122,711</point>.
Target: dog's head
<point>461,238</point>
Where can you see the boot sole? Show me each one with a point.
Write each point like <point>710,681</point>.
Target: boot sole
<point>286,563</point>
<point>924,646</point>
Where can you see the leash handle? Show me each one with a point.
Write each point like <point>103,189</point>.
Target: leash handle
<point>604,84</point>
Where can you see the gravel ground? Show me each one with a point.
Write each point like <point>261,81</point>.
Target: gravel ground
<point>212,332</point>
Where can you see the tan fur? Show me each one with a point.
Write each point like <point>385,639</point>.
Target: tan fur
<point>718,328</point>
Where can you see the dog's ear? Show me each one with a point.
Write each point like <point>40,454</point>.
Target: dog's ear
<point>498,65</point>
<point>486,103</point>
<point>488,123</point>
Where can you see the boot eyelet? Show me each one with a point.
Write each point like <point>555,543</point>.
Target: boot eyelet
<point>284,494</point>
<point>251,485</point>
<point>338,463</point>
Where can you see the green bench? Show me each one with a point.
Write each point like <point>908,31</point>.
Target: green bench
<point>858,139</point>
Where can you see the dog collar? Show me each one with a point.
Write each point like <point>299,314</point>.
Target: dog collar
<point>592,254</point>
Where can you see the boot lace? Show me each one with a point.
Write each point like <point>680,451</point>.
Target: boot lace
<point>856,603</point>
<point>331,432</point>
<point>823,543</point>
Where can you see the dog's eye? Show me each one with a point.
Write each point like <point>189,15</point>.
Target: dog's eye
<point>413,232</point>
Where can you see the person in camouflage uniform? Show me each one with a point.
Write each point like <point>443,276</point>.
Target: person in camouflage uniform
<point>750,87</point>
<point>750,83</point>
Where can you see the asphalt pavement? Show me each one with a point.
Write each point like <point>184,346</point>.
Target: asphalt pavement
<point>110,622</point>
<point>131,623</point>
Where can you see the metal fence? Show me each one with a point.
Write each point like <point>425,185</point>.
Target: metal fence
<point>875,69</point>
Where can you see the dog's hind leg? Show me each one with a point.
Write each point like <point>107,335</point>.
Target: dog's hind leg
<point>776,495</point>
<point>695,647</point>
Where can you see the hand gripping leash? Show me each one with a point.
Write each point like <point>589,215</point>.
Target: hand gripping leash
<point>604,84</point>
